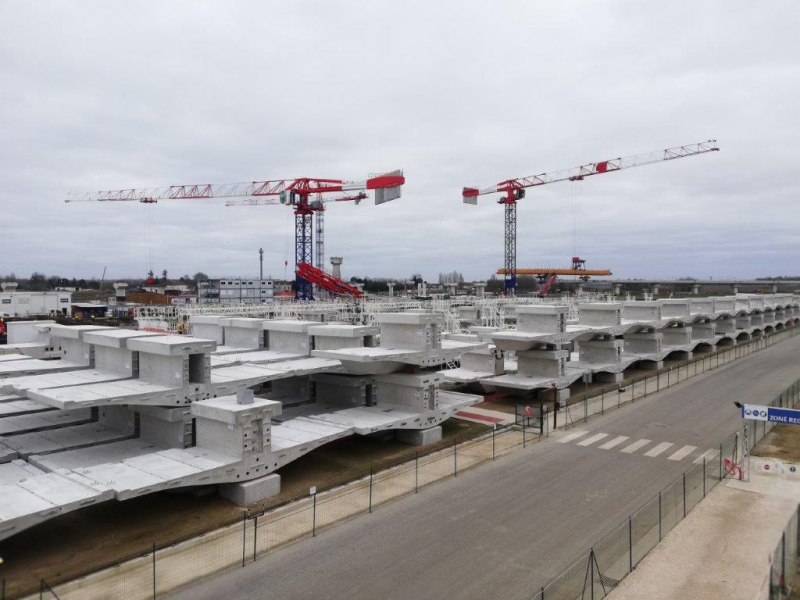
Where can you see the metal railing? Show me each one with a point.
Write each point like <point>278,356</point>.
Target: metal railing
<point>611,559</point>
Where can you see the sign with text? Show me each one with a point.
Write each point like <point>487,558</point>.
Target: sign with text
<point>772,414</point>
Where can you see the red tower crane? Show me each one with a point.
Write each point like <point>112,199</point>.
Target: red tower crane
<point>514,190</point>
<point>296,193</point>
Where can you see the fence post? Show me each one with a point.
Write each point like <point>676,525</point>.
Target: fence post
<point>720,461</point>
<point>416,470</point>
<point>704,476</point>
<point>255,538</point>
<point>154,571</point>
<point>684,494</point>
<point>314,516</point>
<point>523,433</point>
<point>659,516</point>
<point>630,544</point>
<point>784,586</point>
<point>244,537</point>
<point>455,457</point>
<point>370,488</point>
<point>668,372</point>
<point>494,429</point>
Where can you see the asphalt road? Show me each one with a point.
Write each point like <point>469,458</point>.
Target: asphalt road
<point>505,529</point>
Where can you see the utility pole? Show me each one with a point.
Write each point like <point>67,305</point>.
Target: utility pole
<point>261,263</point>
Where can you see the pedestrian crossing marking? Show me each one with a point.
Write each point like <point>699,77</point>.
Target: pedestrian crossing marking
<point>652,453</point>
<point>682,453</point>
<point>635,446</point>
<point>615,442</point>
<point>572,436</point>
<point>595,438</point>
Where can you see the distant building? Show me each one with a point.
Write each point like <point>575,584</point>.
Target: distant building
<point>87,311</point>
<point>24,304</point>
<point>235,290</point>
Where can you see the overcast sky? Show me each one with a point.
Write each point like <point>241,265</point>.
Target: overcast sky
<point>104,95</point>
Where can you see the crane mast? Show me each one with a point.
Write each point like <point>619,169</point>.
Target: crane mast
<point>514,190</point>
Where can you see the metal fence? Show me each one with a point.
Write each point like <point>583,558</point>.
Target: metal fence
<point>784,563</point>
<point>611,559</point>
<point>157,570</point>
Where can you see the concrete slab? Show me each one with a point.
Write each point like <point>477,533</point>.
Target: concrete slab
<point>250,492</point>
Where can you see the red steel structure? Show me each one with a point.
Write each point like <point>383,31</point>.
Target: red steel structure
<point>514,190</point>
<point>296,193</point>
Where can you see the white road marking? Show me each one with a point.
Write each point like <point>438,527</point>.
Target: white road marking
<point>683,453</point>
<point>572,436</point>
<point>595,438</point>
<point>635,446</point>
<point>615,442</point>
<point>658,449</point>
<point>707,455</point>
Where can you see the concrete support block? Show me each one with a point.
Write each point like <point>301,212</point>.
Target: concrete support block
<point>289,336</point>
<point>484,360</point>
<point>600,314</point>
<point>541,319</point>
<point>208,327</point>
<point>682,355</point>
<point>743,322</point>
<point>416,331</point>
<point>241,332</point>
<point>677,336</point>
<point>701,306</point>
<point>650,365</point>
<point>674,308</point>
<point>418,392</point>
<point>600,351</point>
<point>250,492</point>
<point>420,437</point>
<point>704,331</point>
<point>291,389</point>
<point>643,343</point>
<point>641,311</point>
<point>546,364</point>
<point>347,391</point>
<point>604,377</point>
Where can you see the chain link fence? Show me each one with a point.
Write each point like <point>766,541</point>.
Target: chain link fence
<point>784,563</point>
<point>157,570</point>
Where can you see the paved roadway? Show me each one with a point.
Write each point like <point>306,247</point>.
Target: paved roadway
<point>505,529</point>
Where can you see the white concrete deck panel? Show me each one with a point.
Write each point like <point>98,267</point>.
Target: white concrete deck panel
<point>93,455</point>
<point>171,345</point>
<point>304,434</point>
<point>343,330</point>
<point>71,332</point>
<point>125,391</point>
<point>116,338</point>
<point>380,360</point>
<point>257,357</point>
<point>40,421</point>
<point>17,470</point>
<point>35,366</point>
<point>56,380</point>
<point>41,497</point>
<point>132,468</point>
<point>516,381</point>
<point>8,353</point>
<point>23,406</point>
<point>64,438</point>
<point>461,375</point>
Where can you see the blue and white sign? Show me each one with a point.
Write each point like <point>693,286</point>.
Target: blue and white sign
<point>772,414</point>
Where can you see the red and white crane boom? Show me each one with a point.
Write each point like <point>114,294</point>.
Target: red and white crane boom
<point>514,189</point>
<point>292,192</point>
